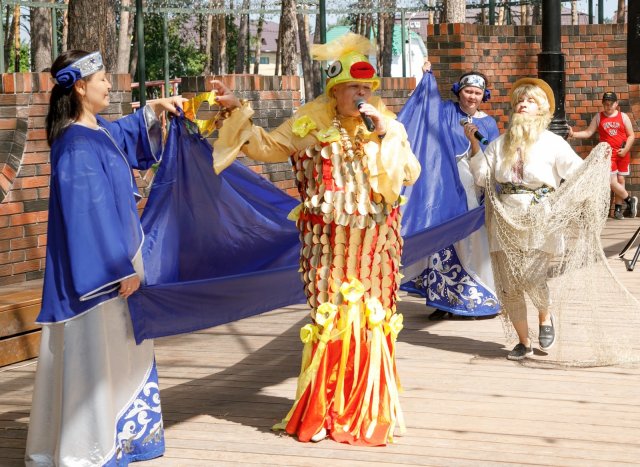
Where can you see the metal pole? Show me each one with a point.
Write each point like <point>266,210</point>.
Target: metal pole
<point>142,76</point>
<point>551,63</point>
<point>1,37</point>
<point>633,43</point>
<point>248,54</point>
<point>165,33</point>
<point>590,11</point>
<point>600,11</point>
<point>492,12</point>
<point>322,11</point>
<point>54,34</point>
<point>402,38</point>
<point>322,7</point>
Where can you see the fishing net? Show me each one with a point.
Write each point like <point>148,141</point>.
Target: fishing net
<point>597,320</point>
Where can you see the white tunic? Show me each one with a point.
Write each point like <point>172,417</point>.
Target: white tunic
<point>550,160</point>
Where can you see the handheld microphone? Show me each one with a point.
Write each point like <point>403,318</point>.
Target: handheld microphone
<point>365,118</point>
<point>476,134</point>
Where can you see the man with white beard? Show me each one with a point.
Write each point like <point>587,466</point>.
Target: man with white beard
<point>523,166</point>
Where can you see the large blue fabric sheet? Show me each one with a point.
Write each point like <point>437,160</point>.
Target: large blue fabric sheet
<point>219,248</point>
<point>437,195</point>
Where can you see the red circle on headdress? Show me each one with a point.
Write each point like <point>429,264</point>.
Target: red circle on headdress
<point>362,70</point>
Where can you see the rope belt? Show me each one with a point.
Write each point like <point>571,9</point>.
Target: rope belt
<point>538,193</point>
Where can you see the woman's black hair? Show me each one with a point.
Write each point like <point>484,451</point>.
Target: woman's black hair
<point>65,105</point>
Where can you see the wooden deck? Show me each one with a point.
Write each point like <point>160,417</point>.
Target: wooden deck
<point>465,404</point>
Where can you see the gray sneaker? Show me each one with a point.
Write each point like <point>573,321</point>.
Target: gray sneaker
<point>633,206</point>
<point>618,215</point>
<point>547,334</point>
<point>520,352</point>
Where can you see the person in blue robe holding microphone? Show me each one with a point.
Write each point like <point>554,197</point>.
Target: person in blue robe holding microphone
<point>96,399</point>
<point>458,280</point>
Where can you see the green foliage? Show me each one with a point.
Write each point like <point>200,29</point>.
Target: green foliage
<point>185,58</point>
<point>25,58</point>
<point>232,42</point>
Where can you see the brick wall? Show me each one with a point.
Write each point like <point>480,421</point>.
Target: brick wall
<point>24,153</point>
<point>274,99</point>
<point>595,58</point>
<point>596,61</point>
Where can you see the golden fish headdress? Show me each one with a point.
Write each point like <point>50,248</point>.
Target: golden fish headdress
<point>350,62</point>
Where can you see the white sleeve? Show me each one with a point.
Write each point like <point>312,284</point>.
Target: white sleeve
<point>567,161</point>
<point>481,162</point>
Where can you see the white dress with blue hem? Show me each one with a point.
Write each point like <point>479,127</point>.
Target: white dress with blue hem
<point>96,399</point>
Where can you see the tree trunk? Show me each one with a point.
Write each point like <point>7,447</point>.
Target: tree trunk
<point>241,57</point>
<point>133,60</point>
<point>359,26</point>
<point>500,18</point>
<point>16,38</point>
<point>256,62</point>
<point>215,46</point>
<point>368,25</point>
<point>316,65</point>
<point>364,20</point>
<point>65,26</point>
<point>218,40</point>
<point>574,12</point>
<point>8,39</point>
<point>207,48</point>
<point>276,72</point>
<point>621,11</point>
<point>289,32</point>
<point>456,11</point>
<point>92,26</point>
<point>523,13</point>
<point>387,52</point>
<point>124,41</point>
<point>537,14</point>
<point>380,42</point>
<point>385,38</point>
<point>215,43</point>
<point>305,57</point>
<point>202,33</point>
<point>432,5</point>
<point>222,41</point>
<point>41,34</point>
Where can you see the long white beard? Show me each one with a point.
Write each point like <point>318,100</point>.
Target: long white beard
<point>524,130</point>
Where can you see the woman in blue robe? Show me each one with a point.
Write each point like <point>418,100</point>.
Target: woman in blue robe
<point>96,399</point>
<point>459,279</point>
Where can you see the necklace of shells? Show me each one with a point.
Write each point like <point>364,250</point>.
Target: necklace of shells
<point>350,152</point>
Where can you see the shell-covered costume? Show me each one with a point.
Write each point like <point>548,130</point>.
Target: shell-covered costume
<point>349,221</point>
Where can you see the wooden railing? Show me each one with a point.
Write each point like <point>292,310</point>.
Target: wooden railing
<point>157,88</point>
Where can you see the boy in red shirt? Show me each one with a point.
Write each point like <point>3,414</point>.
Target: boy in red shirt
<point>614,127</point>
